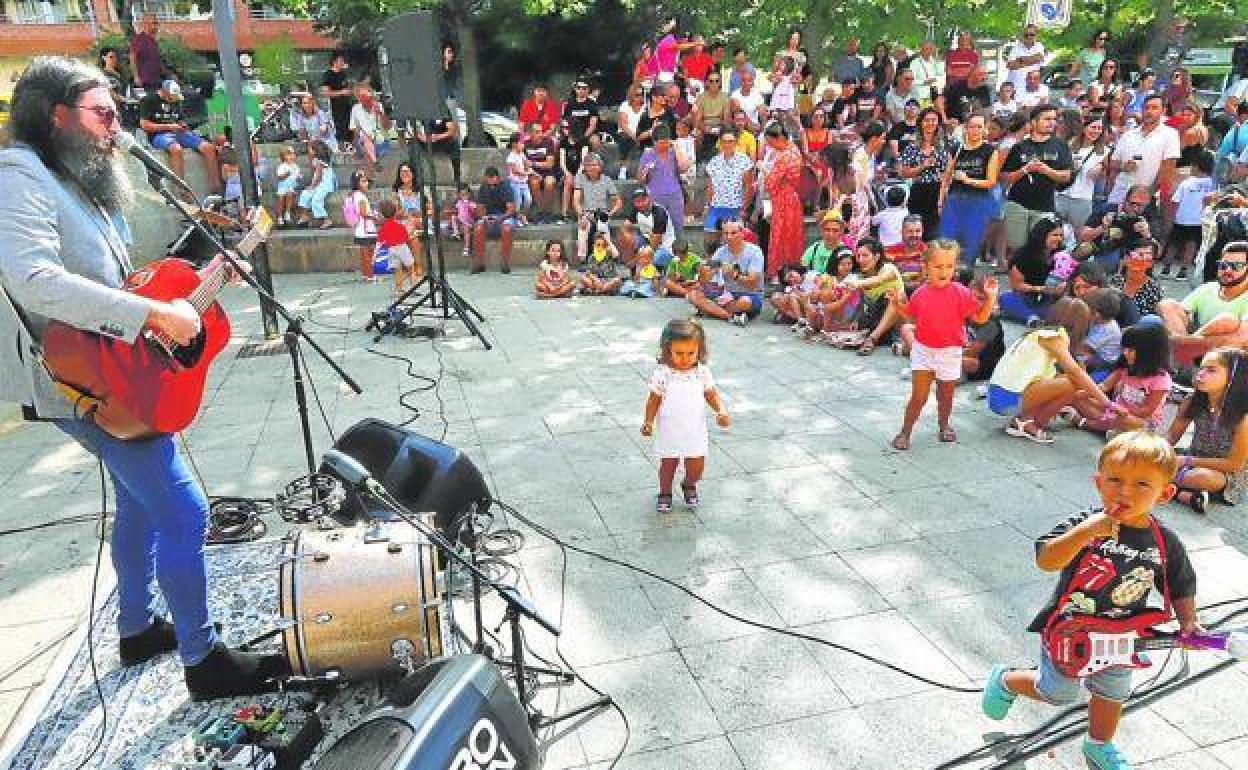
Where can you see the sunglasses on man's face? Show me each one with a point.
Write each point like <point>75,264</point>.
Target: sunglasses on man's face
<point>106,114</point>
<point>1231,265</point>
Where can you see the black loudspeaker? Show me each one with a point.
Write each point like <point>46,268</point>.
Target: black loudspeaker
<point>453,713</point>
<point>412,67</point>
<point>425,475</point>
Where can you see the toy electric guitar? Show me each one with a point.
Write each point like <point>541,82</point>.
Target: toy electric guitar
<point>1082,645</point>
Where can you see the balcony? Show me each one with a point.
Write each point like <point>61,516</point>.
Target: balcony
<point>39,12</point>
<point>265,12</point>
<point>172,10</point>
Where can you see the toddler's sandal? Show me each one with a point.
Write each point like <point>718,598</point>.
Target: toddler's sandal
<point>663,504</point>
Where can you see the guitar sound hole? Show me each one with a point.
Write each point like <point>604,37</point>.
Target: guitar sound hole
<point>188,355</point>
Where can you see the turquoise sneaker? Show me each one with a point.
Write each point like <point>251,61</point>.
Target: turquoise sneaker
<point>1104,756</point>
<point>997,699</point>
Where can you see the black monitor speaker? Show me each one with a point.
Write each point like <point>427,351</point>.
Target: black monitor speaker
<point>453,713</point>
<point>413,66</point>
<point>423,474</point>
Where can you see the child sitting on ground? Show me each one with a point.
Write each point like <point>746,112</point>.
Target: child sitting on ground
<point>554,277</point>
<point>1217,461</point>
<point>680,389</point>
<point>682,270</point>
<point>888,222</point>
<point>645,282</point>
<point>602,269</point>
<point>1110,559</point>
<point>833,306</point>
<point>1102,347</point>
<point>1138,386</point>
<point>798,283</point>
<point>940,309</point>
<point>394,237</point>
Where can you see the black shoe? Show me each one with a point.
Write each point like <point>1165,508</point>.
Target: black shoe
<point>156,640</point>
<point>1182,274</point>
<point>227,673</point>
<point>478,269</point>
<point>505,269</point>
<point>1165,269</point>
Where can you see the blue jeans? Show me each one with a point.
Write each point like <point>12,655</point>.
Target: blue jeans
<point>966,216</point>
<point>158,536</point>
<point>1021,307</point>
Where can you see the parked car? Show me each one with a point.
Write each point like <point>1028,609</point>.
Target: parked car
<point>498,127</point>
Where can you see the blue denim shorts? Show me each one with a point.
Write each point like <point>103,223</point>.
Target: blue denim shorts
<point>1058,689</point>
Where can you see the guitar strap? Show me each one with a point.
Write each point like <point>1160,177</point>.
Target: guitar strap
<point>1088,563</point>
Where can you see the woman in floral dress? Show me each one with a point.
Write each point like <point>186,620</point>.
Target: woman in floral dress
<point>787,242</point>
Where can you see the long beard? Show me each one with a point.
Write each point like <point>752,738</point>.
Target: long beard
<point>100,174</point>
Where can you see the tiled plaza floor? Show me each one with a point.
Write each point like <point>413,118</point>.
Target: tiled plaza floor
<point>809,521</point>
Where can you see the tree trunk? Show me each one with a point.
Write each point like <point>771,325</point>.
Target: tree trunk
<point>470,74</point>
<point>1161,38</point>
<point>814,43</point>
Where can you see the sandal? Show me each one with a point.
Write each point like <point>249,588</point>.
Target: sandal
<point>948,435</point>
<point>901,442</point>
<point>663,504</point>
<point>1072,416</point>
<point>1197,500</point>
<point>690,492</point>
<point>1017,427</point>
<point>897,349</point>
<point>867,347</point>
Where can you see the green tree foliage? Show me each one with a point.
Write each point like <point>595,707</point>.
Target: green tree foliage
<point>275,61</point>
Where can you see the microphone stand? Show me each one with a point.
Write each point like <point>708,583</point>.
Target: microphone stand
<point>518,607</point>
<point>294,324</point>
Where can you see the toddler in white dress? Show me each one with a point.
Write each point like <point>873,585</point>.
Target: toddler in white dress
<point>680,389</point>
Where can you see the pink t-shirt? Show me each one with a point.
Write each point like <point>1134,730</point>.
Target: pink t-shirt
<point>1132,392</point>
<point>665,54</point>
<point>940,315</point>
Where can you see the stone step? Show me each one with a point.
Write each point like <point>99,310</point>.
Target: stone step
<point>333,251</point>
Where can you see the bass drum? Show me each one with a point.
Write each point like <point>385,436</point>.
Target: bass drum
<point>357,605</point>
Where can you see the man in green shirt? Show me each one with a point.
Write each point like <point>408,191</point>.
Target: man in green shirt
<point>821,255</point>
<point>1213,315</point>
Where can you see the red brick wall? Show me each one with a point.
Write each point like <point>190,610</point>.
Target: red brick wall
<point>76,39</point>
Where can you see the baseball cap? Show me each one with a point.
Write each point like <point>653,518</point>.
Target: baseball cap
<point>640,192</point>
<point>171,87</point>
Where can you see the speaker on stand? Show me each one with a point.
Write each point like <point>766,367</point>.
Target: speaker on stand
<point>412,74</point>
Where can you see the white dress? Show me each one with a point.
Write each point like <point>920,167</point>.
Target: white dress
<point>680,428</point>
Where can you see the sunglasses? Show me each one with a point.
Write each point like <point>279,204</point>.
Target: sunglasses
<point>106,114</point>
<point>1231,265</point>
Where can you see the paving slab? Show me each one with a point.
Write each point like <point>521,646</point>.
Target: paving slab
<point>809,520</point>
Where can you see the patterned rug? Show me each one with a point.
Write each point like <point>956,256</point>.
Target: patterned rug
<point>148,709</point>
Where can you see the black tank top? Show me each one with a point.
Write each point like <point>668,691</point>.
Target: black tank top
<point>974,163</point>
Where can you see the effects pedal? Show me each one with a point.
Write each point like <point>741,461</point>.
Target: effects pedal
<point>292,739</point>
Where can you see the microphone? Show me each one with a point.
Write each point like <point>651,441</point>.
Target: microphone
<point>352,473</point>
<point>155,168</point>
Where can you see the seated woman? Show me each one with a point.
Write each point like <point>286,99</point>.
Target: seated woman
<point>876,278</point>
<point>1137,283</point>
<point>1217,462</point>
<point>1030,296</point>
<point>1026,385</point>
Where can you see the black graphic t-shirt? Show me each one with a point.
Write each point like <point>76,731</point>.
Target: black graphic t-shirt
<point>1118,576</point>
<point>974,163</point>
<point>157,110</point>
<point>578,114</point>
<point>1036,191</point>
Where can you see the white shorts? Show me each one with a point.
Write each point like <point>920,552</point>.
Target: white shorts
<point>401,255</point>
<point>945,363</point>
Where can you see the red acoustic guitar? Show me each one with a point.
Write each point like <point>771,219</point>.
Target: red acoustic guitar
<point>154,386</point>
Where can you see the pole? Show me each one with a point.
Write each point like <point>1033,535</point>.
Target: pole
<point>223,19</point>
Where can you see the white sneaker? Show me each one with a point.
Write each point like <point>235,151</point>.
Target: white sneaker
<point>740,319</point>
<point>623,173</point>
<point>905,373</point>
<point>981,391</point>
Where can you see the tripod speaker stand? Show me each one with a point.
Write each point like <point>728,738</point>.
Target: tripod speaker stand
<point>433,289</point>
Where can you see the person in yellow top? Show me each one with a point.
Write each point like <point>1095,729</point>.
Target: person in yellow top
<point>877,278</point>
<point>1026,385</point>
<point>645,281</point>
<point>746,142</point>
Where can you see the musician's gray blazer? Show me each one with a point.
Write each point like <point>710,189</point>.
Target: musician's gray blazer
<point>61,258</point>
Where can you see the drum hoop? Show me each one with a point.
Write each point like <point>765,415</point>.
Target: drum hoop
<point>293,638</point>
